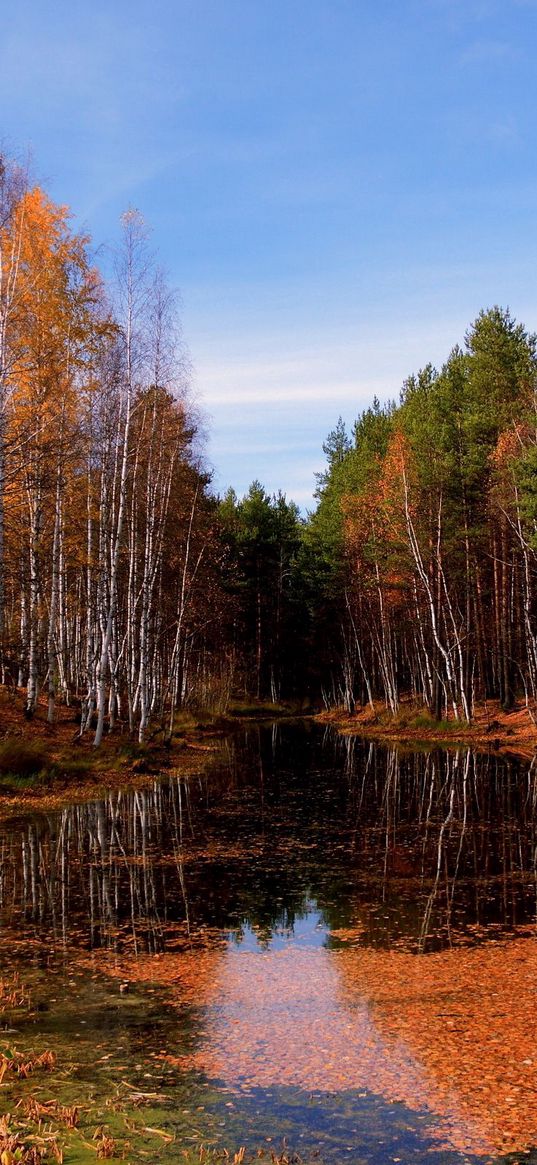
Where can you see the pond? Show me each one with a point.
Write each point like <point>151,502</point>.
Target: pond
<point>319,947</point>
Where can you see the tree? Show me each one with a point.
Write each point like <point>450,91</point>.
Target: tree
<point>263,536</point>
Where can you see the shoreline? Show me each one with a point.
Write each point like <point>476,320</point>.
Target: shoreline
<point>413,728</point>
<point>68,768</point>
<point>73,770</point>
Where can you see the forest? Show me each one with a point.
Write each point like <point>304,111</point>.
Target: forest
<point>129,590</point>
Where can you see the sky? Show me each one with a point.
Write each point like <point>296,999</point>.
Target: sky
<point>336,187</point>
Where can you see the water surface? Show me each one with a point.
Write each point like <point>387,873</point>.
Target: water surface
<point>327,947</point>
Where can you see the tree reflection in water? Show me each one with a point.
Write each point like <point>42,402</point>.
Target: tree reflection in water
<point>322,909</point>
<point>424,849</point>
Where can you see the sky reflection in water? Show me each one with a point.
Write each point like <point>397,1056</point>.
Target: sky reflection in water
<point>358,975</point>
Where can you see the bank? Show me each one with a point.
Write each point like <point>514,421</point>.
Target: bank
<point>412,726</point>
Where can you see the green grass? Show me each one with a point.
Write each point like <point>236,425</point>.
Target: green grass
<point>409,719</point>
<point>73,769</point>
<point>445,727</point>
<point>183,722</point>
<point>26,763</point>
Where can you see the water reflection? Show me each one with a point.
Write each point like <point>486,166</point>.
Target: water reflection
<point>308,931</point>
<point>424,849</point>
<point>334,917</point>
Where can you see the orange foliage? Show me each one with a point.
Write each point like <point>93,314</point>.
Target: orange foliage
<point>375,523</point>
<point>510,446</point>
<point>53,330</point>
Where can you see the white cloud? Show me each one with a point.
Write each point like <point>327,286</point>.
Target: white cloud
<point>272,400</point>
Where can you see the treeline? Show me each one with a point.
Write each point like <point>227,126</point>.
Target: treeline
<point>416,574</point>
<point>426,534</point>
<point>128,589</point>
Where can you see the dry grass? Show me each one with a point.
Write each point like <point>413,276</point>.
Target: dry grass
<point>38,1111</point>
<point>19,1147</point>
<point>106,1146</point>
<point>23,1067</point>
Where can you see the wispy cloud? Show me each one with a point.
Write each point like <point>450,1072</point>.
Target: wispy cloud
<point>336,372</point>
<point>242,389</point>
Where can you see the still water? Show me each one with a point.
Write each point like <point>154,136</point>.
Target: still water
<point>319,947</point>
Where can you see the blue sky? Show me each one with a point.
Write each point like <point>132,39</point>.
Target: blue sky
<point>336,186</point>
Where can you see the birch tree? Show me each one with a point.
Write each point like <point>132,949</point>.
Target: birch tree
<point>12,229</point>
<point>132,280</point>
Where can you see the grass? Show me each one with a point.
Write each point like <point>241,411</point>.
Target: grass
<point>407,719</point>
<point>71,769</point>
<point>25,763</point>
<point>257,708</point>
<point>426,720</point>
<point>183,722</point>
<point>22,758</point>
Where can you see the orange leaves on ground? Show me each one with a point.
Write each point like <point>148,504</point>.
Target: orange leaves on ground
<point>467,1017</point>
<point>451,1032</point>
